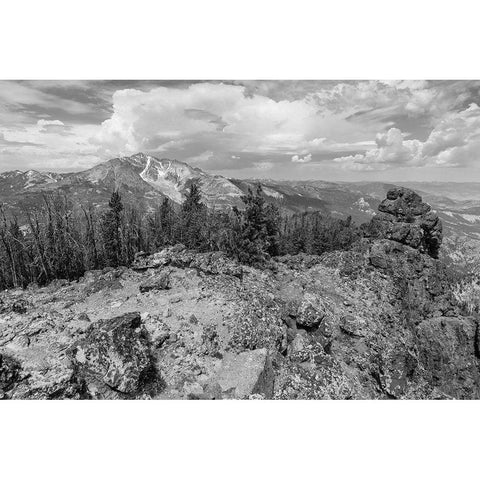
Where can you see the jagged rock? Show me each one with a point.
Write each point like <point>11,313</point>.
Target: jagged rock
<point>210,340</point>
<point>48,379</point>
<point>422,282</point>
<point>160,281</point>
<point>406,219</point>
<point>107,279</point>
<point>310,312</point>
<point>9,373</point>
<point>115,353</point>
<point>213,263</point>
<point>403,202</point>
<point>447,353</point>
<point>397,365</point>
<point>247,373</point>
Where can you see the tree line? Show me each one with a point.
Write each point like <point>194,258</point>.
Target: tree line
<point>56,241</point>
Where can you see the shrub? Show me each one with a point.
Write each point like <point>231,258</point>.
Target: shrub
<point>467,294</point>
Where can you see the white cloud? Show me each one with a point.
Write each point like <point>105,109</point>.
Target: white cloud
<point>305,159</point>
<point>53,126</point>
<point>454,142</point>
<point>225,120</point>
<point>247,126</point>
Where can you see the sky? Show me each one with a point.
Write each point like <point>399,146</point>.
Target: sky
<point>328,130</point>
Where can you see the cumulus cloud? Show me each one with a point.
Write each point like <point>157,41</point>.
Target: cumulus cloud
<point>376,99</point>
<point>248,126</point>
<point>454,142</point>
<point>224,119</point>
<point>53,126</point>
<point>305,159</point>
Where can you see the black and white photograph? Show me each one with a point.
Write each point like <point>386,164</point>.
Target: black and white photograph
<point>239,241</point>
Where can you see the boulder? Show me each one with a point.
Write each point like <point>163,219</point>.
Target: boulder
<point>160,281</point>
<point>447,352</point>
<point>406,219</point>
<point>310,312</point>
<point>245,374</point>
<point>114,353</point>
<point>49,378</point>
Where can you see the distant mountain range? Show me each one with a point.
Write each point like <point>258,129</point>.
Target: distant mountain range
<point>145,180</point>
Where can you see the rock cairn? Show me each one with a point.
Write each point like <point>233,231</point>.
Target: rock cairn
<point>406,219</point>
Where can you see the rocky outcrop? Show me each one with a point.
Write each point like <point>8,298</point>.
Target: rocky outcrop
<point>115,354</point>
<point>160,281</point>
<point>446,348</point>
<point>246,374</point>
<point>406,219</point>
<point>212,263</point>
<point>376,321</point>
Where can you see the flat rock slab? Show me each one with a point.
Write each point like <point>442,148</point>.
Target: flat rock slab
<point>247,373</point>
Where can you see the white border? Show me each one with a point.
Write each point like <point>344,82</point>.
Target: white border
<point>238,40</point>
<point>252,39</point>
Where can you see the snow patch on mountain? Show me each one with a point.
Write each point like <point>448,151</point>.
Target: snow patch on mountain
<point>165,177</point>
<point>470,218</point>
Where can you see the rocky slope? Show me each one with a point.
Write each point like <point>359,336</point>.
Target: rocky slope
<point>377,321</point>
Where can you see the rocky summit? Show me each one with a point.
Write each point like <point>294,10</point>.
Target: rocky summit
<point>405,218</point>
<point>377,321</point>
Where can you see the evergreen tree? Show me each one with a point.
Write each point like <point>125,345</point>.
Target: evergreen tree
<point>161,225</point>
<point>111,230</point>
<point>254,234</point>
<point>272,219</point>
<point>193,218</point>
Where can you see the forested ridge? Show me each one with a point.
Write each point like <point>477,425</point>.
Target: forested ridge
<point>54,240</point>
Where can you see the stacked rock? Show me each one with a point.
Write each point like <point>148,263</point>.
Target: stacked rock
<point>405,218</point>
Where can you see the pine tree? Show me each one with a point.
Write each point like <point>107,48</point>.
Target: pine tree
<point>193,217</point>
<point>161,225</point>
<point>253,242</point>
<point>112,231</point>
<point>272,218</point>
